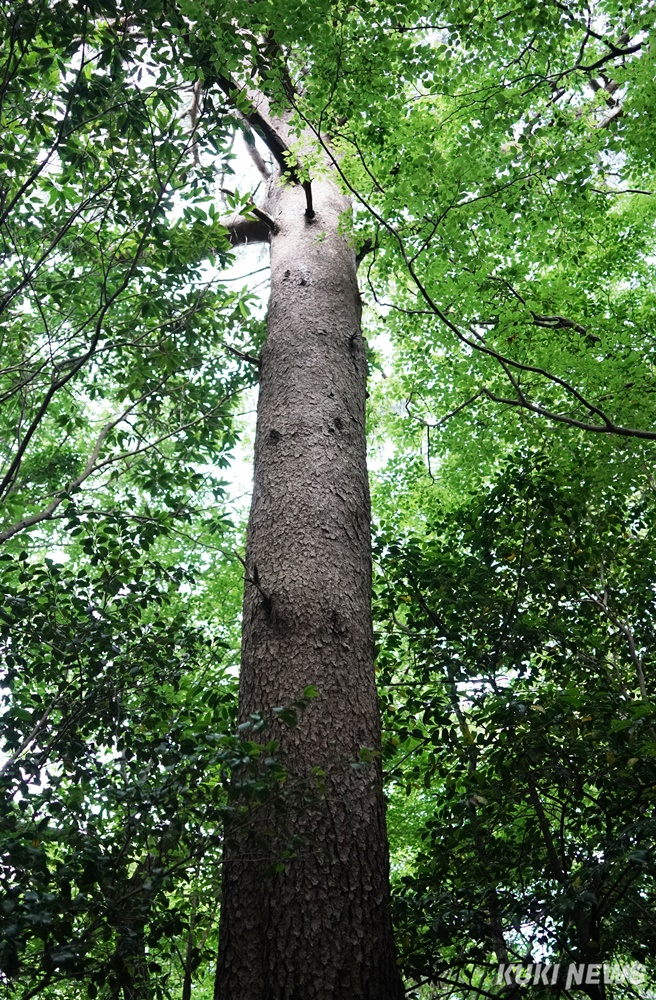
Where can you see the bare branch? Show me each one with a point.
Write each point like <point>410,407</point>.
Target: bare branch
<point>265,128</point>
<point>626,630</point>
<point>309,211</point>
<point>562,323</point>
<point>243,230</point>
<point>243,356</point>
<point>452,413</point>
<point>197,91</point>
<point>254,153</point>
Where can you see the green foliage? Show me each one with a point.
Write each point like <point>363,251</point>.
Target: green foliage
<point>120,768</point>
<point>501,164</point>
<point>113,323</point>
<point>518,694</point>
<point>117,395</point>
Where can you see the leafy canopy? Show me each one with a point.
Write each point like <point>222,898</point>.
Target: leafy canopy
<point>500,162</point>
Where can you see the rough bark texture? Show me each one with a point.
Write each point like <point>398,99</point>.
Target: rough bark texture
<point>320,929</point>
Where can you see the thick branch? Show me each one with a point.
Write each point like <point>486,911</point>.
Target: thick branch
<point>243,230</point>
<point>309,211</point>
<point>269,130</point>
<point>264,128</point>
<point>562,323</point>
<point>254,153</point>
<point>610,118</point>
<point>367,247</point>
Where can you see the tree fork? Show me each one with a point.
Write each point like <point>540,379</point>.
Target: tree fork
<point>320,928</point>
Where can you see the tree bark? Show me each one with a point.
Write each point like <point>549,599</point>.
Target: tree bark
<point>320,928</point>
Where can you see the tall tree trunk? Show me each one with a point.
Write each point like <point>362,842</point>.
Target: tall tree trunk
<point>319,929</point>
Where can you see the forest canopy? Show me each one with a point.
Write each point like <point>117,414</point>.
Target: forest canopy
<point>498,162</point>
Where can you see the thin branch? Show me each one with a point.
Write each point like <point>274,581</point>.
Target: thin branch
<point>613,191</point>
<point>47,512</point>
<point>244,357</point>
<point>562,323</point>
<point>92,466</point>
<point>543,822</point>
<point>196,91</point>
<point>627,632</point>
<point>607,428</point>
<point>9,763</point>
<point>100,313</point>
<point>452,413</point>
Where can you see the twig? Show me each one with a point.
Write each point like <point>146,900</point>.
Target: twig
<point>255,582</point>
<point>244,357</point>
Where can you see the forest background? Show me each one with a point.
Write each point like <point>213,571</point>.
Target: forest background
<point>500,161</point>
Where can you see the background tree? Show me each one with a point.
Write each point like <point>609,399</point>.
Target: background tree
<point>519,723</point>
<point>118,394</point>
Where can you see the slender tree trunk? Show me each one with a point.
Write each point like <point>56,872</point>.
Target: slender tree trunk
<point>319,929</point>
<point>130,964</point>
